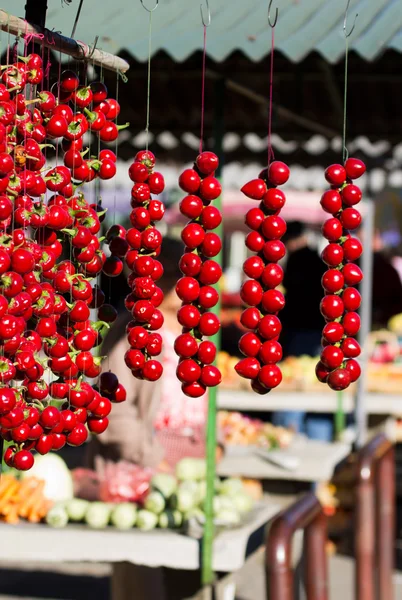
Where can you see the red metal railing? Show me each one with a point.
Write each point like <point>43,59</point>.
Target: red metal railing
<point>375,520</point>
<point>304,514</point>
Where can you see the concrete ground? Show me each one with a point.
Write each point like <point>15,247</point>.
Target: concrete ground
<point>91,582</point>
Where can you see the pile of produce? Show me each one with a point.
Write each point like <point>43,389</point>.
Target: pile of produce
<point>23,499</point>
<point>172,502</point>
<point>239,430</point>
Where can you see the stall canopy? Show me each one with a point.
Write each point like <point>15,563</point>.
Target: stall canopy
<point>237,25</point>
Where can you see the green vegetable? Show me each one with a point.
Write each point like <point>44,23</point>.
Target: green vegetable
<point>202,490</point>
<point>231,486</point>
<point>98,515</point>
<point>54,472</point>
<point>228,516</point>
<point>243,502</point>
<point>226,502</point>
<point>76,509</point>
<point>195,513</point>
<point>183,500</point>
<point>170,519</point>
<point>146,520</point>
<point>155,503</point>
<point>124,516</point>
<point>57,516</point>
<point>191,469</point>
<point>190,486</point>
<point>165,484</point>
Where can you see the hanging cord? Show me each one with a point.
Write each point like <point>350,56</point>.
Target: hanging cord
<point>77,17</point>
<point>150,11</point>
<point>345,94</point>
<point>205,22</point>
<point>272,25</point>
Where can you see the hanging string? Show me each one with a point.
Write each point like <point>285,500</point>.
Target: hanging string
<point>271,155</point>
<point>204,54</point>
<point>148,80</point>
<point>345,92</point>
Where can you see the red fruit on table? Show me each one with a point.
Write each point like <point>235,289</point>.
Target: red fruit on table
<point>351,323</point>
<point>254,189</point>
<point>191,207</point>
<point>209,324</point>
<point>273,227</point>
<point>274,199</point>
<point>355,168</point>
<point>272,301</point>
<point>332,229</point>
<point>351,299</point>
<point>274,250</point>
<point>270,376</point>
<point>335,175</point>
<point>331,307</point>
<point>352,249</point>
<point>353,368</point>
<point>272,276</point>
<point>350,347</point>
<point>194,390</point>
<point>250,318</point>
<point>351,194</point>
<point>321,372</point>
<point>251,292</point>
<point>333,332</point>
<point>23,460</point>
<point>339,379</point>
<point>185,345</point>
<point>249,344</point>
<point>188,371</point>
<point>270,352</point>
<point>351,218</point>
<point>187,289</point>
<point>332,255</point>
<point>332,357</point>
<point>206,352</point>
<point>190,181</point>
<point>278,173</point>
<point>210,376</point>
<point>248,368</point>
<point>207,163</point>
<point>331,201</point>
<point>332,281</point>
<point>255,241</point>
<point>352,274</point>
<point>269,327</point>
<point>253,267</point>
<point>253,220</point>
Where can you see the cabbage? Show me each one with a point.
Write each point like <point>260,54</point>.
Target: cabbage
<point>76,509</point>
<point>155,503</point>
<point>54,472</point>
<point>98,515</point>
<point>191,469</point>
<point>124,516</point>
<point>184,500</point>
<point>226,502</point>
<point>170,519</point>
<point>165,484</point>
<point>57,516</point>
<point>228,517</point>
<point>243,502</point>
<point>231,486</point>
<point>195,513</point>
<point>190,486</point>
<point>146,520</point>
<point>202,489</point>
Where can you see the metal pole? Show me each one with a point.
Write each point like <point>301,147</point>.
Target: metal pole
<point>385,513</point>
<point>35,12</point>
<point>365,316</point>
<point>208,540</point>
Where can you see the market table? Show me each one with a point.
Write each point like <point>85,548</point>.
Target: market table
<point>316,461</point>
<point>158,548</point>
<point>322,402</point>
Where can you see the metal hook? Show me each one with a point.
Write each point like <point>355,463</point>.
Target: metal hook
<point>150,9</point>
<point>347,35</point>
<point>206,23</point>
<point>93,47</point>
<point>269,15</point>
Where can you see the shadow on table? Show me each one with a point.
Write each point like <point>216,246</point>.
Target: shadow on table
<point>42,584</point>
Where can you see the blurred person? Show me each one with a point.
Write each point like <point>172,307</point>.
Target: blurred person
<point>386,286</point>
<point>157,424</point>
<point>302,321</point>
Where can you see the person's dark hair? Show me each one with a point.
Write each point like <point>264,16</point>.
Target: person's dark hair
<point>294,230</point>
<point>169,257</point>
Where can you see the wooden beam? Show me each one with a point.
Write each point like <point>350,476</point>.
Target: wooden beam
<point>60,43</point>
